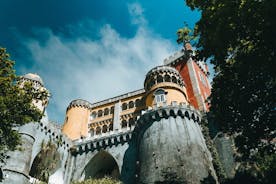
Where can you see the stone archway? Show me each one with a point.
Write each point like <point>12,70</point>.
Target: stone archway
<point>46,162</point>
<point>102,164</point>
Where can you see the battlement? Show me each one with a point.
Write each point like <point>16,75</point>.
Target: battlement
<point>180,56</point>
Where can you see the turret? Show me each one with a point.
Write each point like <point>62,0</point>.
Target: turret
<point>76,121</point>
<point>170,142</point>
<point>37,84</point>
<point>164,85</point>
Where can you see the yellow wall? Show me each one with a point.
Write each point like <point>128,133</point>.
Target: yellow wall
<point>75,124</point>
<point>174,93</point>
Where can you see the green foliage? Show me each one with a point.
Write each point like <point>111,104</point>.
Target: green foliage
<point>15,105</point>
<point>237,35</point>
<point>184,35</point>
<point>105,180</point>
<point>46,162</point>
<point>210,145</point>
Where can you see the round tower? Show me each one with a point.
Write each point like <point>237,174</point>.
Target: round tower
<point>76,121</point>
<point>38,85</point>
<point>170,142</point>
<point>17,166</point>
<point>164,85</point>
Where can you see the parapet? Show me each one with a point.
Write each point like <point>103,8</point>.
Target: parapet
<point>79,103</point>
<point>161,74</point>
<point>34,78</point>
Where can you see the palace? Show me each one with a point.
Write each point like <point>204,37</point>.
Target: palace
<point>139,137</point>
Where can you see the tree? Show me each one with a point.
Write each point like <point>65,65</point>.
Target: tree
<point>239,39</point>
<point>16,107</point>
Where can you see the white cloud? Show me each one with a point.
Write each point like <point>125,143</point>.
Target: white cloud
<point>136,12</point>
<point>95,69</point>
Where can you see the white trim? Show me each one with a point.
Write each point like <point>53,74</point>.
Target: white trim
<point>195,85</point>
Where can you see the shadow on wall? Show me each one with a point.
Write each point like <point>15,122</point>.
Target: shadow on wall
<point>130,163</point>
<point>101,165</point>
<point>1,175</point>
<point>46,162</point>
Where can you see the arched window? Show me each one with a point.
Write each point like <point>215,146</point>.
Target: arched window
<point>124,123</point>
<point>92,132</point>
<point>106,111</point>
<point>131,122</point>
<point>98,130</point>
<point>100,113</point>
<point>93,115</point>
<point>131,104</point>
<point>167,78</point>
<point>159,78</point>
<point>174,80</point>
<point>137,103</point>
<point>112,110</point>
<point>111,127</point>
<point>160,95</point>
<point>124,106</point>
<point>104,128</point>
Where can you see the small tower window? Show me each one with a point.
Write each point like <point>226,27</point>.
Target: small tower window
<point>160,96</point>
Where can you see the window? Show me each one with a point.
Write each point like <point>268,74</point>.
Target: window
<point>137,103</point>
<point>131,104</point>
<point>124,123</point>
<point>104,128</point>
<point>106,111</point>
<point>112,110</point>
<point>124,106</point>
<point>159,96</point>
<point>93,115</point>
<point>100,113</point>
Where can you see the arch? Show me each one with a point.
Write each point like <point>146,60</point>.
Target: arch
<point>159,78</point>
<point>92,132</point>
<point>174,80</point>
<point>167,78</point>
<point>111,127</point>
<point>137,102</point>
<point>131,104</point>
<point>124,106</point>
<point>100,113</point>
<point>131,122</point>
<point>93,115</point>
<point>102,164</point>
<point>46,162</point>
<point>112,110</point>
<point>106,111</point>
<point>98,130</point>
<point>124,123</point>
<point>104,128</point>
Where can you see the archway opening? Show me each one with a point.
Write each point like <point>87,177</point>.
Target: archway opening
<point>101,165</point>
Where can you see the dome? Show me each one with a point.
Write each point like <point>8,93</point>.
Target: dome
<point>161,74</point>
<point>33,77</point>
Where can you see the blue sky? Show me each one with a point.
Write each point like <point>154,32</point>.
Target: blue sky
<point>88,49</point>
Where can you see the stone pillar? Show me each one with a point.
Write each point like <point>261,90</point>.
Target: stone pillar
<point>172,147</point>
<point>116,118</point>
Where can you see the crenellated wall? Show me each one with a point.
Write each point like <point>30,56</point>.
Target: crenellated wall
<point>137,137</point>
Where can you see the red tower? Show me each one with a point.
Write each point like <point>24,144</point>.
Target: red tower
<point>195,76</point>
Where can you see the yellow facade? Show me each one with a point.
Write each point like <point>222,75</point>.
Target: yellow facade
<point>76,120</point>
<point>121,113</point>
